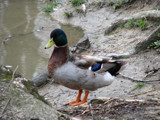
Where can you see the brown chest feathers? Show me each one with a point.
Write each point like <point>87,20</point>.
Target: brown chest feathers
<point>59,57</point>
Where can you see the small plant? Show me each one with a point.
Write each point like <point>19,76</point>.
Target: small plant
<point>76,3</point>
<point>156,23</point>
<point>155,45</point>
<point>116,6</point>
<point>49,8</point>
<point>139,85</point>
<point>68,14</point>
<point>141,24</point>
<point>111,3</point>
<point>121,25</point>
<point>131,23</point>
<point>123,2</point>
<point>98,3</point>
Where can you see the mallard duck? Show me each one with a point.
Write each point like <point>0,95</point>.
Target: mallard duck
<point>79,72</point>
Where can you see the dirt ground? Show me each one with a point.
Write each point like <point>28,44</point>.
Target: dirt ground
<point>124,99</point>
<point>118,109</point>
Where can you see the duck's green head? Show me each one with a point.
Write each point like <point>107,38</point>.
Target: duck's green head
<point>57,37</point>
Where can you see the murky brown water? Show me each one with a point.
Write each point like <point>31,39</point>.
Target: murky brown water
<point>21,46</point>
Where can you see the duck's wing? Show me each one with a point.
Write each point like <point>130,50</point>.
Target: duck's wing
<point>98,64</point>
<point>86,61</point>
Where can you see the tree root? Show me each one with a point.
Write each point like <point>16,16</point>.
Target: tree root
<point>138,80</point>
<point>151,72</point>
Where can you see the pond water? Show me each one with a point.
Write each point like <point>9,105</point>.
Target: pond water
<point>18,45</point>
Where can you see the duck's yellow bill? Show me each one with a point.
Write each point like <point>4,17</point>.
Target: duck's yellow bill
<point>49,44</point>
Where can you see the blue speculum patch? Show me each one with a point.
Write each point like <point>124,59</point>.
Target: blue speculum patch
<point>96,66</point>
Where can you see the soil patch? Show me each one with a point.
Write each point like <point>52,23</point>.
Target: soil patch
<point>116,109</point>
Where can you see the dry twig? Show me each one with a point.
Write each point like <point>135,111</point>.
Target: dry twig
<point>143,93</point>
<point>91,111</point>
<point>6,106</point>
<point>111,99</point>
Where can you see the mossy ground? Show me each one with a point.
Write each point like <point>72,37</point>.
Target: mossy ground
<point>6,76</point>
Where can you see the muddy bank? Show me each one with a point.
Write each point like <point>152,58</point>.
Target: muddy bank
<point>19,99</point>
<point>98,19</point>
<point>121,40</point>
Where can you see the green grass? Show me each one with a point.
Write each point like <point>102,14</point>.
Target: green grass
<point>49,8</point>
<point>116,6</point>
<point>139,85</point>
<point>156,23</point>
<point>141,24</point>
<point>155,45</point>
<point>68,14</point>
<point>111,3</point>
<point>132,23</point>
<point>98,3</point>
<point>121,25</point>
<point>76,3</point>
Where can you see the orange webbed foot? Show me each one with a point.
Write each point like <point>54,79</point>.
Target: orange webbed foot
<point>78,103</point>
<point>83,101</point>
<point>71,102</point>
<point>77,99</point>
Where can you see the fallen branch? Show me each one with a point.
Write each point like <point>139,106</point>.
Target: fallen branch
<point>138,80</point>
<point>151,72</point>
<point>11,79</point>
<point>4,109</point>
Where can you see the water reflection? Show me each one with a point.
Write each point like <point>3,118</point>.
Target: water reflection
<point>17,21</point>
<point>17,18</point>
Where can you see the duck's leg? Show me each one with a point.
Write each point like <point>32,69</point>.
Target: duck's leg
<point>83,101</point>
<point>77,99</point>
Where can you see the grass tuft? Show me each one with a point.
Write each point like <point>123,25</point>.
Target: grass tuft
<point>68,14</point>
<point>76,3</point>
<point>49,8</point>
<point>140,85</point>
<point>155,45</point>
<point>140,23</point>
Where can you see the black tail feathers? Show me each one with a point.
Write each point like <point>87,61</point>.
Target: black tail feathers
<point>118,66</point>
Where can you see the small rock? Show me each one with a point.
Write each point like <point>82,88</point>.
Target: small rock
<point>82,45</point>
